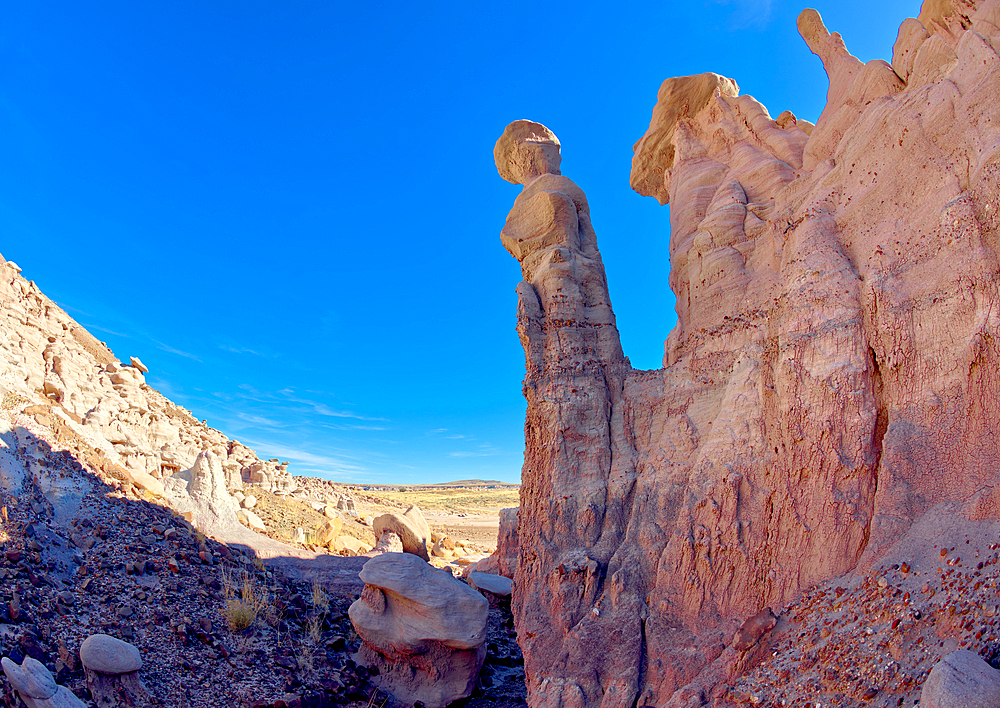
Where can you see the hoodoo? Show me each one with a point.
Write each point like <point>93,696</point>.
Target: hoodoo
<point>833,377</point>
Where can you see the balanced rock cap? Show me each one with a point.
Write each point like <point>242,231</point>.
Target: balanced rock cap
<point>107,655</point>
<point>410,526</point>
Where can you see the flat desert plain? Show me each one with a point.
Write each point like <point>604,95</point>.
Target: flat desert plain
<point>466,511</point>
<point>470,513</point>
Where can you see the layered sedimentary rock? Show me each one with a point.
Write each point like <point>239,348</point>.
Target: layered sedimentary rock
<point>833,374</point>
<point>142,435</point>
<point>74,390</point>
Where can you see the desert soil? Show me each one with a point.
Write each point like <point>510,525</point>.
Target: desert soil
<point>470,514</point>
<point>58,585</point>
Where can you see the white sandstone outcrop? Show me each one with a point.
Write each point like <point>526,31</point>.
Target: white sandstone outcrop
<point>36,687</point>
<point>58,382</point>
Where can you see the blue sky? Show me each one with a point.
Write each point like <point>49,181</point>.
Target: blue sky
<point>289,210</point>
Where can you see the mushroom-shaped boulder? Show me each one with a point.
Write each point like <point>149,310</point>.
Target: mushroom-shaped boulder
<point>104,653</point>
<point>112,670</point>
<point>491,583</point>
<point>421,628</point>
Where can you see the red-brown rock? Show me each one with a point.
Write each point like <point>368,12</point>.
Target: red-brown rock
<point>834,372</point>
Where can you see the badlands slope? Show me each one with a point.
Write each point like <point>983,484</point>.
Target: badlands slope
<point>120,513</point>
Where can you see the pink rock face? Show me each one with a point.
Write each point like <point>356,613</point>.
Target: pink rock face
<point>834,372</point>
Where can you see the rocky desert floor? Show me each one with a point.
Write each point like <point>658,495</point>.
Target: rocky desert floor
<point>469,513</point>
<point>215,625</point>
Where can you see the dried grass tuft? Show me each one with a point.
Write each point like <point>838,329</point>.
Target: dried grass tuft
<point>246,600</point>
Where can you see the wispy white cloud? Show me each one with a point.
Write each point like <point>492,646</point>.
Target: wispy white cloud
<point>70,308</point>
<point>383,441</point>
<point>349,426</point>
<point>172,350</point>
<point>259,420</point>
<point>746,13</point>
<point>323,409</point>
<point>324,462</point>
<point>164,387</point>
<point>108,331</point>
<point>327,411</point>
<point>240,350</point>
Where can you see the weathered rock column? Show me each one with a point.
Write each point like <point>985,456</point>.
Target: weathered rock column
<point>831,379</point>
<point>579,462</point>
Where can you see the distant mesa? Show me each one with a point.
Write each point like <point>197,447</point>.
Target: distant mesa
<point>462,483</point>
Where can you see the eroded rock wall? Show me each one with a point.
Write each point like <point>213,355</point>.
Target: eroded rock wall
<point>833,373</point>
<point>59,375</point>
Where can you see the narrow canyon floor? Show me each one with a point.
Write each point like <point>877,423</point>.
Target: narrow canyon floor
<point>215,625</point>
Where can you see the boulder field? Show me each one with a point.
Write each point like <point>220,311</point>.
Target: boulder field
<point>833,377</point>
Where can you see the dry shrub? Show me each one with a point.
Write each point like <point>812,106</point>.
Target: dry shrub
<point>321,605</point>
<point>245,599</point>
<point>319,597</point>
<point>11,401</point>
<point>315,629</point>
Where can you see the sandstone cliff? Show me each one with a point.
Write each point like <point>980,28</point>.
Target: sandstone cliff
<point>832,377</point>
<point>61,386</point>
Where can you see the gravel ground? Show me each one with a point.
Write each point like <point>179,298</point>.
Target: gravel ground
<point>132,569</point>
<point>871,640</point>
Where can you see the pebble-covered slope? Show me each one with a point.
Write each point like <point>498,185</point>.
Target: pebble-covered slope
<point>871,639</point>
<point>99,474</point>
<point>137,571</point>
<point>134,569</point>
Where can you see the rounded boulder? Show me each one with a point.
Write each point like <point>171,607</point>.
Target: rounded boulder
<point>31,679</point>
<point>107,655</point>
<point>410,526</point>
<point>961,679</point>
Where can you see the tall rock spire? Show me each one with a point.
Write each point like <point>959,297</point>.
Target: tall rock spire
<point>833,376</point>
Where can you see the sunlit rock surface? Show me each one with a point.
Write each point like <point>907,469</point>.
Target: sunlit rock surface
<point>833,374</point>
